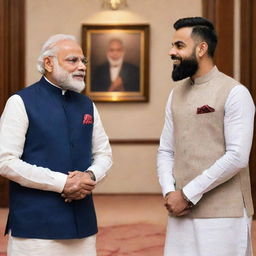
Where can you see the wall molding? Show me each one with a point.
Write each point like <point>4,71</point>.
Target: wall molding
<point>247,70</point>
<point>134,141</point>
<point>221,13</point>
<point>12,61</point>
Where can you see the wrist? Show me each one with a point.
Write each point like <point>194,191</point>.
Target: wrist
<point>190,204</point>
<point>91,174</point>
<point>167,194</point>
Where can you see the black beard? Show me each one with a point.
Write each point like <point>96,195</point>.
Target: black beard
<point>186,68</point>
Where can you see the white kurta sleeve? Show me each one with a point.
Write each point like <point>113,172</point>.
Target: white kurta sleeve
<point>101,150</point>
<point>238,132</point>
<point>165,154</point>
<point>13,128</point>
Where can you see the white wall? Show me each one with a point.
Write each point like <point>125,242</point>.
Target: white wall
<point>134,169</point>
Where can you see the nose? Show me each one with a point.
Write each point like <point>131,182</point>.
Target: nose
<point>81,65</point>
<point>172,51</point>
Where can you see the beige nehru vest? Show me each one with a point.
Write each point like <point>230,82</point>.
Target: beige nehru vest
<point>199,142</point>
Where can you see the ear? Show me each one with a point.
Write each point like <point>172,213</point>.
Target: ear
<point>202,49</point>
<point>48,64</point>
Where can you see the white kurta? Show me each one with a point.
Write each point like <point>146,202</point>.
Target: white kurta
<point>202,237</point>
<point>13,127</point>
<point>45,247</point>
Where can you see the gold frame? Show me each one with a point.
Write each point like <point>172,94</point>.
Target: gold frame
<point>138,31</point>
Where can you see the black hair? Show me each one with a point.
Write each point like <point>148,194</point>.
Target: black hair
<point>202,28</point>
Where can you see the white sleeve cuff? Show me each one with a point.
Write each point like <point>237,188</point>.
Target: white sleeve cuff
<point>98,172</point>
<point>60,180</point>
<point>191,193</point>
<point>167,188</point>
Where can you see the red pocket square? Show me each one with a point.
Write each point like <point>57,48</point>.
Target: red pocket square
<point>87,119</point>
<point>205,109</point>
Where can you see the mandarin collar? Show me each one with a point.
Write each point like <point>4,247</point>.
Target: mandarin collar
<point>205,78</point>
<point>59,90</point>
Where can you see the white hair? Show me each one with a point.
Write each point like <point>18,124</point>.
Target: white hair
<point>49,49</point>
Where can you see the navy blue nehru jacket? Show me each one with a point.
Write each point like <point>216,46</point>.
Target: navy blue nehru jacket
<point>58,139</point>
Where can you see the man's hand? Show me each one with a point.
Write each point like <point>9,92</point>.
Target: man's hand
<point>117,85</point>
<point>176,204</point>
<point>78,185</point>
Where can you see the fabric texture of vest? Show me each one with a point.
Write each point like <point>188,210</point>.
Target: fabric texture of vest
<point>199,142</point>
<point>56,139</point>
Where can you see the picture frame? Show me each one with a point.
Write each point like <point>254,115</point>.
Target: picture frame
<point>118,62</point>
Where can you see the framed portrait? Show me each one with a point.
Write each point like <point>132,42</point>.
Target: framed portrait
<point>118,62</point>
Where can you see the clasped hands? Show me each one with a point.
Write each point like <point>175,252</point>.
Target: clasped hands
<point>78,185</point>
<point>117,85</point>
<point>176,204</point>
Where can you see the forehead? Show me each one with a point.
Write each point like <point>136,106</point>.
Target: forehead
<point>69,47</point>
<point>183,35</point>
<point>115,44</point>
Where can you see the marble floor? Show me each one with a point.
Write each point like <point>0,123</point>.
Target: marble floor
<point>129,225</point>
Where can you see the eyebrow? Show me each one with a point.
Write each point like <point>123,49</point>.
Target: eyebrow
<point>178,43</point>
<point>75,56</point>
<point>83,58</point>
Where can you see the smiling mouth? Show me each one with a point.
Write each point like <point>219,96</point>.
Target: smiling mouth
<point>79,77</point>
<point>176,62</point>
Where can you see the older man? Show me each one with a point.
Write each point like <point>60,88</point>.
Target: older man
<point>116,75</point>
<point>54,150</point>
<point>204,151</point>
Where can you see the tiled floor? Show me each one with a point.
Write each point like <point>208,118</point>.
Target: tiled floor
<point>129,225</point>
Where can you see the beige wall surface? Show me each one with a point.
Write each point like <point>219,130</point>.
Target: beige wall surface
<point>134,169</point>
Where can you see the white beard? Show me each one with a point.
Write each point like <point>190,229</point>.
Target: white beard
<point>115,62</point>
<point>65,79</point>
